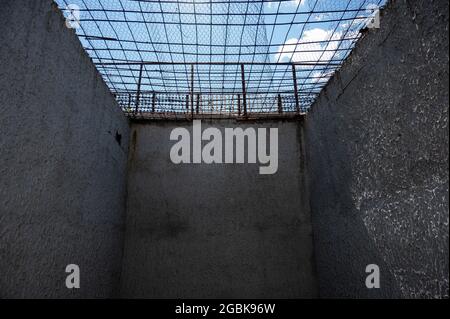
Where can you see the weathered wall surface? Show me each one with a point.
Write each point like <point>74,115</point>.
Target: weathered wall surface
<point>216,230</point>
<point>62,168</point>
<point>377,148</point>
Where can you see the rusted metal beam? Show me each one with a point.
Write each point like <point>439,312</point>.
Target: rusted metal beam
<point>197,108</point>
<point>297,101</point>
<point>239,104</point>
<point>192,89</point>
<point>244,94</point>
<point>252,116</point>
<point>187,103</point>
<point>153,102</point>
<point>280,104</point>
<point>138,93</point>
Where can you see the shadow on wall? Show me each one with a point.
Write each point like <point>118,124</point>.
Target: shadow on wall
<point>377,146</point>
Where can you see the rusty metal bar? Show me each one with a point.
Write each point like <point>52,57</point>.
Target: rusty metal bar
<point>280,104</point>
<point>187,103</point>
<point>138,93</point>
<point>197,108</point>
<point>239,104</point>
<point>244,94</point>
<point>192,89</point>
<point>297,101</point>
<point>153,102</point>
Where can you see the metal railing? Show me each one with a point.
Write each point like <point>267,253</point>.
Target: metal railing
<point>154,105</point>
<point>192,103</point>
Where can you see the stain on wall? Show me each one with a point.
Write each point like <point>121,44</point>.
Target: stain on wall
<point>216,230</point>
<point>64,145</point>
<point>377,150</point>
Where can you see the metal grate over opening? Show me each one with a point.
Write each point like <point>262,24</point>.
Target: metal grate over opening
<point>178,58</point>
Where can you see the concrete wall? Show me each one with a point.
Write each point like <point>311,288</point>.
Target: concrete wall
<point>63,143</point>
<point>217,230</point>
<point>377,145</point>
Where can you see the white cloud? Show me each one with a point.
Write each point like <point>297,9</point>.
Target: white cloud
<point>310,41</point>
<point>274,4</point>
<point>285,52</point>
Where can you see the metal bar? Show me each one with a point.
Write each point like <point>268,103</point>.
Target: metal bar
<point>282,92</point>
<point>198,104</point>
<point>205,1</point>
<point>187,103</point>
<point>244,94</point>
<point>153,102</point>
<point>221,24</point>
<point>220,14</point>
<point>138,93</point>
<point>121,62</point>
<point>276,44</point>
<point>280,104</point>
<point>297,101</point>
<point>239,104</point>
<point>192,89</point>
<point>252,116</point>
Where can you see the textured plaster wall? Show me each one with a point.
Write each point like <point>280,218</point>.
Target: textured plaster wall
<point>218,230</point>
<point>64,144</point>
<point>377,150</point>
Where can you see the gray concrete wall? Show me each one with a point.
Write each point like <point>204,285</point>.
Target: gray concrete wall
<point>63,143</point>
<point>377,149</point>
<point>217,230</point>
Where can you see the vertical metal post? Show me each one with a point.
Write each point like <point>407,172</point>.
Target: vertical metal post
<point>153,102</point>
<point>138,93</point>
<point>187,103</point>
<point>294,77</point>
<point>198,104</point>
<point>244,93</point>
<point>239,104</point>
<point>280,104</point>
<point>192,89</point>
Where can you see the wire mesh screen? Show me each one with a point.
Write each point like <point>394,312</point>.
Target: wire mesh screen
<point>213,57</point>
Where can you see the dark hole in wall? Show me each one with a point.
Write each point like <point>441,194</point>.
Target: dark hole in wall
<point>118,138</point>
